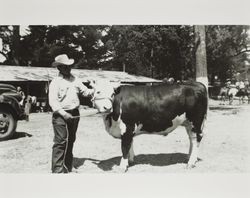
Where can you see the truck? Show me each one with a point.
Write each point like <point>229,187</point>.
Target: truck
<point>10,110</point>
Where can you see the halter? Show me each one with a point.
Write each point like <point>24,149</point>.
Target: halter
<point>103,94</point>
<point>102,98</point>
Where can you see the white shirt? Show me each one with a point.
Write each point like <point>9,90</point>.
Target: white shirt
<point>64,93</point>
<point>240,85</point>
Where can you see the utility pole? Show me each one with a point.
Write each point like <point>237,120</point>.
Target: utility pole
<point>123,67</point>
<point>152,56</point>
<point>151,63</point>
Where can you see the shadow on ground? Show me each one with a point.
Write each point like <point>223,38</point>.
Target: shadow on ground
<point>226,110</point>
<point>151,159</point>
<point>222,108</point>
<point>78,162</point>
<point>18,135</point>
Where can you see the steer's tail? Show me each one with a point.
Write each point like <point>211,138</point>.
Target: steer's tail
<point>204,81</point>
<point>204,96</point>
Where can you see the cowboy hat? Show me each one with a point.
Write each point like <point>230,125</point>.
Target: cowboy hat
<point>62,59</point>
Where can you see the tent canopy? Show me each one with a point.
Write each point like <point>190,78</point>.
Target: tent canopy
<point>20,73</point>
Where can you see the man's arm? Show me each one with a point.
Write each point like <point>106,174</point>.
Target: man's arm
<point>85,91</point>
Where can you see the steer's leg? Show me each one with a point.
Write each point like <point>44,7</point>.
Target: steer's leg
<point>193,148</point>
<point>131,154</point>
<point>126,144</point>
<point>189,126</point>
<point>195,135</point>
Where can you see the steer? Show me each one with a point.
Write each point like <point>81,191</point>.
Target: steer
<point>157,109</point>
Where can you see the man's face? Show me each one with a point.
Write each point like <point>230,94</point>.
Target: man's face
<point>64,70</point>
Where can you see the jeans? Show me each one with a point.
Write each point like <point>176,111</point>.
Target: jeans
<point>64,138</point>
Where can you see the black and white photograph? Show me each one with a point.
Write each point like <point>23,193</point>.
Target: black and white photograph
<point>109,92</point>
<point>118,101</point>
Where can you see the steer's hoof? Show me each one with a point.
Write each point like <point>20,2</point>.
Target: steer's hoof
<point>131,163</point>
<point>190,166</point>
<point>119,169</point>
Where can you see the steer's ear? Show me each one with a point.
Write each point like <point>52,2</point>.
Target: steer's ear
<point>117,90</point>
<point>116,86</point>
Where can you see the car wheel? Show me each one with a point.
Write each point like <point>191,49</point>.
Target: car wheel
<point>8,124</point>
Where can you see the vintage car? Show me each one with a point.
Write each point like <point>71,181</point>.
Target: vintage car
<point>10,110</point>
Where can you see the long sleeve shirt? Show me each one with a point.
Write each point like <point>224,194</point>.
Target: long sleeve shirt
<point>64,93</point>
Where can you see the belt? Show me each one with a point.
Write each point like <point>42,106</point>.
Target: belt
<point>73,111</point>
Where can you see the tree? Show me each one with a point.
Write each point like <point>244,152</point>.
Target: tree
<point>157,51</point>
<point>11,44</point>
<point>4,42</point>
<point>16,45</point>
<point>200,54</point>
<point>80,42</point>
<point>226,50</point>
<point>151,49</point>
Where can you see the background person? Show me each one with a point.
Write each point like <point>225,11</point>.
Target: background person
<point>20,91</point>
<point>64,101</point>
<point>246,83</point>
<point>27,107</point>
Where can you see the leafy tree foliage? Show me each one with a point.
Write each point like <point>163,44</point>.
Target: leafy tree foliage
<point>45,42</point>
<point>10,44</point>
<point>157,51</point>
<point>226,47</point>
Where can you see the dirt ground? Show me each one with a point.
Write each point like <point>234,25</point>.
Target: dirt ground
<point>225,147</point>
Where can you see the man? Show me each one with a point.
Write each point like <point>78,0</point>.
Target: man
<point>228,83</point>
<point>27,107</point>
<point>246,83</point>
<point>64,92</point>
<point>19,90</point>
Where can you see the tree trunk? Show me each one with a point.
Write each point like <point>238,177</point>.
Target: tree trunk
<point>16,45</point>
<point>200,54</point>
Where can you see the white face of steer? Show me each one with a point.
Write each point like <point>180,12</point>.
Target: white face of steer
<point>103,96</point>
<point>114,128</point>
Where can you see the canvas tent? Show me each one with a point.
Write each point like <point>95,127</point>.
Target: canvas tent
<point>35,80</point>
<point>18,73</point>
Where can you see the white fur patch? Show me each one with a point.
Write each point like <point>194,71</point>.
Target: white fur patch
<point>117,128</point>
<point>124,164</point>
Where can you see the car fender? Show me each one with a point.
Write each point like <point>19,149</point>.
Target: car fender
<point>13,103</point>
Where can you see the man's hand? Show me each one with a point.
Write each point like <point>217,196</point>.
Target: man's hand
<point>68,116</point>
<point>92,83</point>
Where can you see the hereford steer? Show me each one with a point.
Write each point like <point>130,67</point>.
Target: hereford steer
<point>159,109</point>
